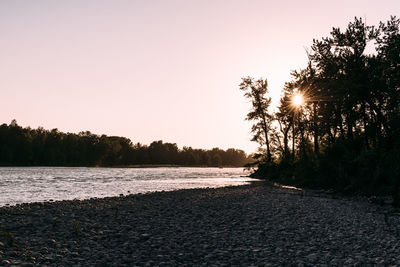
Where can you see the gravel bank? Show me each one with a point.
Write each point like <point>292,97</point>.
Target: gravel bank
<point>246,225</point>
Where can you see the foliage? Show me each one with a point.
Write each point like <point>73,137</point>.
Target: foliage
<point>345,135</point>
<point>255,90</point>
<point>39,147</point>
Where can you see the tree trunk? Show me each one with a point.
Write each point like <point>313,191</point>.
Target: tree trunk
<point>316,146</point>
<point>285,133</point>
<point>349,127</point>
<point>366,132</point>
<point>293,133</point>
<point>266,139</point>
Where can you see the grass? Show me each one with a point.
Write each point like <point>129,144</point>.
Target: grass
<point>9,238</point>
<point>76,227</point>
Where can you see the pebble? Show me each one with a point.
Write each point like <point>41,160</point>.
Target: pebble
<point>253,225</point>
<point>312,257</point>
<point>5,262</point>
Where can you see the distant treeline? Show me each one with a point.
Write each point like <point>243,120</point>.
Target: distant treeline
<point>39,147</point>
<point>345,134</point>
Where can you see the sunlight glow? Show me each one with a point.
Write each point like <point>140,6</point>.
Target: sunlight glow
<point>298,100</point>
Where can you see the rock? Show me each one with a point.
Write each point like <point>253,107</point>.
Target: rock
<point>242,226</point>
<point>312,257</point>
<point>5,262</point>
<point>349,261</point>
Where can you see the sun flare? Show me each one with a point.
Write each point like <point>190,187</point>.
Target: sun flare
<point>298,100</point>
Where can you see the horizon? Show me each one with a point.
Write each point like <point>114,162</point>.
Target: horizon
<point>157,71</point>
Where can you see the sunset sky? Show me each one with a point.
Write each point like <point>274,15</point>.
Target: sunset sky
<point>157,70</point>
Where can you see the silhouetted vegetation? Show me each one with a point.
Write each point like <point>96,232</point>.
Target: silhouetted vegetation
<point>346,134</point>
<point>39,147</point>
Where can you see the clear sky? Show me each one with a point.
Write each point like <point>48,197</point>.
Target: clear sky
<point>157,70</point>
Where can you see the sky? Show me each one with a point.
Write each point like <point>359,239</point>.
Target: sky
<point>158,70</point>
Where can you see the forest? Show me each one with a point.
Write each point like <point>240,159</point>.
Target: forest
<point>39,147</point>
<point>338,122</point>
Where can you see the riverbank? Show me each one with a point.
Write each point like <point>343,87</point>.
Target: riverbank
<point>248,225</point>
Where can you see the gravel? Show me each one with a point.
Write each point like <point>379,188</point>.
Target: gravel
<point>253,225</point>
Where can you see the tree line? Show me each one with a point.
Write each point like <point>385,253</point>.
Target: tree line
<point>39,147</point>
<point>345,134</point>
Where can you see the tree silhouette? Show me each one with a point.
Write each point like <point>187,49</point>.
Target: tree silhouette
<point>39,147</point>
<point>256,91</point>
<point>345,134</point>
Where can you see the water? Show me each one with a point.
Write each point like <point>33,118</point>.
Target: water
<point>33,184</point>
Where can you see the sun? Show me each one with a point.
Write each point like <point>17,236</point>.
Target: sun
<point>298,100</point>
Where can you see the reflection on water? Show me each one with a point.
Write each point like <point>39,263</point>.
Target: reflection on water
<point>32,184</point>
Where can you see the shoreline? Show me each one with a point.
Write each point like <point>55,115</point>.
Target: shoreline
<point>129,194</point>
<point>253,224</point>
<point>138,166</point>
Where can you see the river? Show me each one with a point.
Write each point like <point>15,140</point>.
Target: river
<point>38,184</point>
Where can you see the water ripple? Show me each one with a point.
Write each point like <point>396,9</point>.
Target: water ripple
<point>31,184</point>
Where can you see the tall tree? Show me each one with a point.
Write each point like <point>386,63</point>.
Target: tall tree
<point>256,91</point>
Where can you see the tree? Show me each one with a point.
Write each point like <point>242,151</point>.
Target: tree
<point>350,113</point>
<point>256,91</point>
<point>39,147</point>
